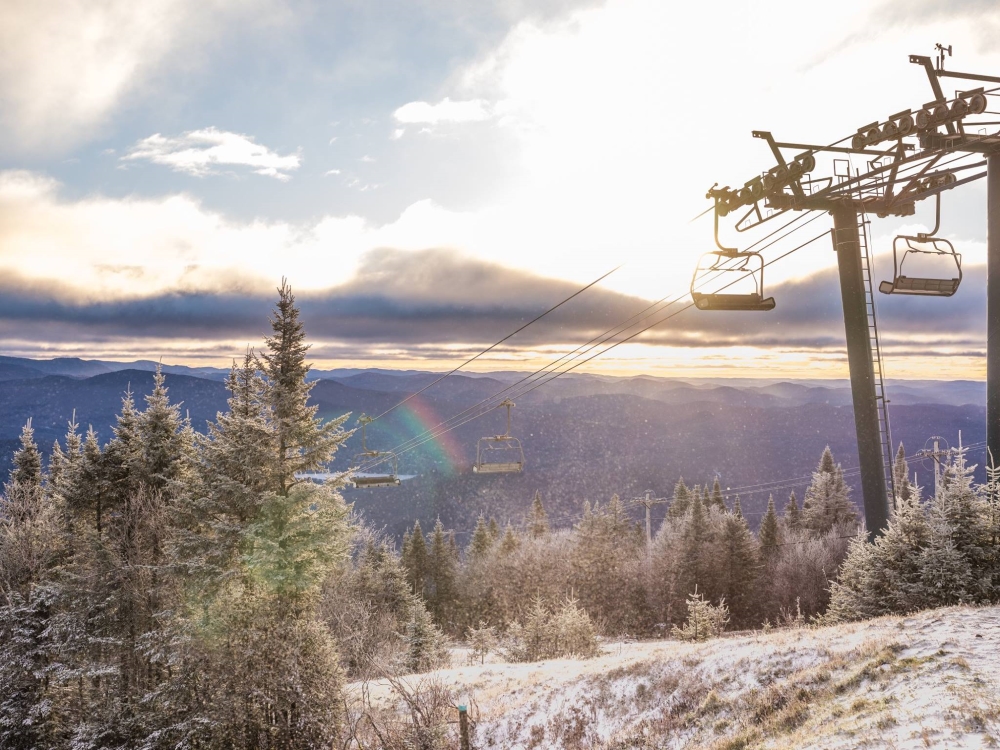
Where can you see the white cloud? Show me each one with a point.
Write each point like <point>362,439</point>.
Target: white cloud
<point>473,110</point>
<point>329,172</point>
<point>66,66</point>
<point>201,152</point>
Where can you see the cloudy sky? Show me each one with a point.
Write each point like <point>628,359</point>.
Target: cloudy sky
<point>430,174</point>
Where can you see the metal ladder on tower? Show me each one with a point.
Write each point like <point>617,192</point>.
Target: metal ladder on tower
<point>878,369</point>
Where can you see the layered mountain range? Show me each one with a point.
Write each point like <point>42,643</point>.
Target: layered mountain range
<point>585,437</point>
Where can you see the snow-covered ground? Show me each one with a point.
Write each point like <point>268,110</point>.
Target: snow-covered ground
<point>929,680</point>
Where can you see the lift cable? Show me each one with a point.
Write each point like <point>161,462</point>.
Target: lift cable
<point>494,346</point>
<point>558,373</point>
<point>594,342</point>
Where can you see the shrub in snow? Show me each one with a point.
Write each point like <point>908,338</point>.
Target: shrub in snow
<point>545,634</point>
<point>705,620</point>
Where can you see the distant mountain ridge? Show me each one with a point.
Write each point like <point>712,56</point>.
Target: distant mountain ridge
<point>585,436</point>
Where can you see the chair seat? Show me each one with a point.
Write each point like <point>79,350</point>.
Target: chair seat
<point>918,285</point>
<point>382,480</point>
<point>498,467</point>
<point>749,302</point>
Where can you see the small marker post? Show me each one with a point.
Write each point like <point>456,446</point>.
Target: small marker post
<point>463,727</point>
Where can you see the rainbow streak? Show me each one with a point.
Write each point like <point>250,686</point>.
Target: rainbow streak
<point>418,416</point>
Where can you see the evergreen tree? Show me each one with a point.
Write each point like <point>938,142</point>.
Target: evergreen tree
<point>901,475</point>
<point>538,524</point>
<point>27,470</point>
<point>482,542</point>
<point>681,501</point>
<point>792,515</point>
<point>304,443</point>
<point>163,438</point>
<point>442,573</point>
<point>416,561</point>
<point>510,541</point>
<point>739,568</point>
<point>717,499</point>
<point>770,531</point>
<point>494,529</point>
<point>737,508</point>
<point>827,504</point>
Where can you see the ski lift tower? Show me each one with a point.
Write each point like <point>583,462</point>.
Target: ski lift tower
<point>910,156</point>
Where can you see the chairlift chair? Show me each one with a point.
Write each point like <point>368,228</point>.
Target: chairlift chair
<point>923,245</point>
<point>371,460</point>
<point>499,454</point>
<point>748,294</point>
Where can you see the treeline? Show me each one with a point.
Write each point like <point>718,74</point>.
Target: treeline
<point>932,554</point>
<point>629,587</point>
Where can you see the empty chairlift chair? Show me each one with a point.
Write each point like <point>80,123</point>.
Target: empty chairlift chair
<point>499,454</point>
<point>372,468</point>
<point>936,261</point>
<point>933,253</point>
<point>739,278</point>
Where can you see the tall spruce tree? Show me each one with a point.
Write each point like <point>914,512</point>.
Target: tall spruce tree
<point>416,560</point>
<point>901,475</point>
<point>717,499</point>
<point>792,516</point>
<point>482,542</point>
<point>740,568</point>
<point>538,523</point>
<point>827,503</point>
<point>770,531</point>
<point>303,441</point>
<point>680,503</point>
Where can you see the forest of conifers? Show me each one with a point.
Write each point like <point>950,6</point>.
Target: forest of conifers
<point>174,589</point>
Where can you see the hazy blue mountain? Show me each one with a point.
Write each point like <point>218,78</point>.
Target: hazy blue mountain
<point>585,437</point>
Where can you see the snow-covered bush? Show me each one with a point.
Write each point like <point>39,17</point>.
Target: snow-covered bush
<point>705,620</point>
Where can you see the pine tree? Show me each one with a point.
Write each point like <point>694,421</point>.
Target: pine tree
<point>792,514</point>
<point>901,475</point>
<point>482,542</point>
<point>27,470</point>
<point>538,524</point>
<point>304,443</point>
<point>441,577</point>
<point>827,504</point>
<point>737,508</point>
<point>739,568</point>
<point>770,531</point>
<point>717,499</point>
<point>510,541</point>
<point>163,438</point>
<point>416,561</point>
<point>494,529</point>
<point>681,501</point>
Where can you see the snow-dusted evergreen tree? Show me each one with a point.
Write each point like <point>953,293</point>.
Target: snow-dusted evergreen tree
<point>30,555</point>
<point>827,503</point>
<point>510,541</point>
<point>680,503</point>
<point>738,567</point>
<point>737,507</point>
<point>303,441</point>
<point>901,475</point>
<point>442,571</point>
<point>770,531</point>
<point>426,645</point>
<point>482,542</point>
<point>717,500</point>
<point>886,576</point>
<point>791,515</point>
<point>27,471</point>
<point>538,522</point>
<point>416,560</point>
